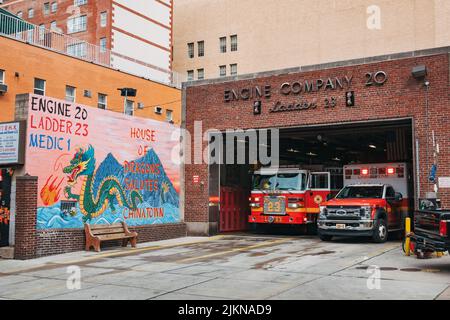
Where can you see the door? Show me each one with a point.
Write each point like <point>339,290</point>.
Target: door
<point>393,209</point>
<point>5,200</point>
<point>234,209</point>
<point>319,188</point>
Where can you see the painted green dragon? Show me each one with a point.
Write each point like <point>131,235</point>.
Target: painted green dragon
<point>110,189</point>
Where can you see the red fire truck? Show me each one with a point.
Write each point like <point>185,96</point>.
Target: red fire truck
<point>288,196</point>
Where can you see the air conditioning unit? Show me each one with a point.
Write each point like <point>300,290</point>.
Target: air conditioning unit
<point>158,110</point>
<point>140,105</point>
<point>88,93</point>
<point>3,88</point>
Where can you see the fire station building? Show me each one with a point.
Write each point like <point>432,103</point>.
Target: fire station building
<point>384,109</point>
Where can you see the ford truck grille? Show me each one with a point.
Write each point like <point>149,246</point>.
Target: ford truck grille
<point>344,212</point>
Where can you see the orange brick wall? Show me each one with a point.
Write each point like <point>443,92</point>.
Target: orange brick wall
<point>60,70</point>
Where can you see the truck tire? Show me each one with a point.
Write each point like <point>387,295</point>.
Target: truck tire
<point>325,237</point>
<point>380,232</point>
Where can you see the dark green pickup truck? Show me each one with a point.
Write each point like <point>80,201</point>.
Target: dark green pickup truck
<point>431,231</point>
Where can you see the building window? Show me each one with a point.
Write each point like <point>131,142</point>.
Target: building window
<point>129,107</point>
<point>201,48</point>
<point>191,50</point>
<point>190,75</point>
<point>70,93</point>
<point>222,71</point>
<point>169,115</point>
<point>77,24</point>
<point>103,45</point>
<point>20,14</point>
<point>233,69</point>
<point>39,86</point>
<point>41,32</point>
<point>2,76</point>
<point>54,7</point>
<point>200,74</point>
<point>79,2</point>
<point>103,19</point>
<point>223,44</point>
<point>31,13</point>
<point>46,8</point>
<point>77,50</point>
<point>234,43</point>
<point>102,101</point>
<point>53,25</point>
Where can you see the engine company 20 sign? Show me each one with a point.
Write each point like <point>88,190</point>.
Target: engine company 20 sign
<point>98,166</point>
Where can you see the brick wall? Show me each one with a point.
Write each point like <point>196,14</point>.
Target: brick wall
<point>25,217</point>
<point>401,96</point>
<point>58,241</point>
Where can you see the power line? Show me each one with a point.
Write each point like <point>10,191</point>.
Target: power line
<point>160,104</point>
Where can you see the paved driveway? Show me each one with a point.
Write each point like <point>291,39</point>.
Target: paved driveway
<point>232,267</point>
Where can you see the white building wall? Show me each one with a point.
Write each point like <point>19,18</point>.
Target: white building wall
<point>141,39</point>
<point>136,68</point>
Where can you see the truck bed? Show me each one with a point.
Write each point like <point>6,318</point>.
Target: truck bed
<point>426,230</point>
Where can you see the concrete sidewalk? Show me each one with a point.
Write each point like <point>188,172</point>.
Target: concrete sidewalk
<point>232,267</point>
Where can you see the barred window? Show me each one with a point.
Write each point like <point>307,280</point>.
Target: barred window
<point>201,48</point>
<point>233,69</point>
<point>223,44</point>
<point>234,43</point>
<point>70,93</point>
<point>190,75</point>
<point>31,13</point>
<point>191,50</point>
<point>200,74</point>
<point>222,71</point>
<point>102,101</point>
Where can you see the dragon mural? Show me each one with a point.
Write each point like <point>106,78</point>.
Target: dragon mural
<point>110,189</point>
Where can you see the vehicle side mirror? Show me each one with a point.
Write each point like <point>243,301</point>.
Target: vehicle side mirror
<point>329,196</point>
<point>398,196</point>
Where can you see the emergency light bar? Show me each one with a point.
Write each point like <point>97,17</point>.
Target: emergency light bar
<point>375,172</point>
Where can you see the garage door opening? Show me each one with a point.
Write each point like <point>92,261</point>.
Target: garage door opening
<point>323,150</point>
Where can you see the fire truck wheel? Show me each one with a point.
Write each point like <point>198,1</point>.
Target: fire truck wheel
<point>380,233</point>
<point>325,237</point>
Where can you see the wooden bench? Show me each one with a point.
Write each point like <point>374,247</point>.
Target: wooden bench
<point>95,234</point>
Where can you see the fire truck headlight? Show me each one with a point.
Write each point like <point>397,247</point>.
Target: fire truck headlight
<point>293,205</point>
<point>254,205</point>
<point>366,212</point>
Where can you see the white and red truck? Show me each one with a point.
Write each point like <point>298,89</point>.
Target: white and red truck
<point>287,196</point>
<point>374,201</point>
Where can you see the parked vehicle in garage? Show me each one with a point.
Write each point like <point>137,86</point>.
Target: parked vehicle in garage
<point>431,231</point>
<point>288,196</point>
<point>370,204</point>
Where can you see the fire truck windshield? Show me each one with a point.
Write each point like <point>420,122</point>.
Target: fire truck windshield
<point>359,192</point>
<point>280,181</point>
